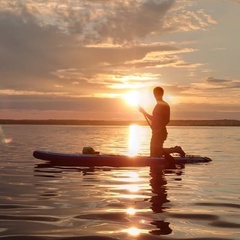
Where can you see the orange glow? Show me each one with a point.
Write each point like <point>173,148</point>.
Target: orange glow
<point>132,98</point>
<point>171,99</point>
<point>143,97</point>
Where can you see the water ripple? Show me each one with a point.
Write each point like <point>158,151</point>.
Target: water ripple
<point>228,205</point>
<point>19,206</point>
<point>56,238</point>
<point>197,216</point>
<point>43,202</point>
<point>224,224</point>
<point>30,218</point>
<point>121,217</point>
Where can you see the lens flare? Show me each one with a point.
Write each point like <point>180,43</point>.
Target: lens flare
<point>7,140</point>
<point>3,139</point>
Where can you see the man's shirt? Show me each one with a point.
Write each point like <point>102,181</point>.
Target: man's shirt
<point>160,116</point>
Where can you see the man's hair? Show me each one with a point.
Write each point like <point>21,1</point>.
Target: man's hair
<point>158,92</point>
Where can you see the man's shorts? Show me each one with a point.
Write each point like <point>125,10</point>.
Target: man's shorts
<point>156,146</point>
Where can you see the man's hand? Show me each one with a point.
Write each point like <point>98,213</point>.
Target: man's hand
<point>141,109</point>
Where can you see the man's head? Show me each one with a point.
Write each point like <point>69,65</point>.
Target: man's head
<point>158,93</point>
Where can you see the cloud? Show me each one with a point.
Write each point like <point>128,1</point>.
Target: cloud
<point>212,85</point>
<point>132,21</point>
<point>223,83</point>
<point>119,21</point>
<point>99,21</point>
<point>184,17</point>
<point>58,103</point>
<point>28,51</point>
<point>43,58</point>
<point>53,107</point>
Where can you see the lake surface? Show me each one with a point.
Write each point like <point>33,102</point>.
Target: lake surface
<point>196,201</point>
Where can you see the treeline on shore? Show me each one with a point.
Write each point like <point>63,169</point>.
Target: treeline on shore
<point>223,122</point>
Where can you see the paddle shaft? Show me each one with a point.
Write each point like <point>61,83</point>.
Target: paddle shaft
<point>147,120</point>
<point>149,124</point>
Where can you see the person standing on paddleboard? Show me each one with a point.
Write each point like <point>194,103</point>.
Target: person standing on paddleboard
<point>158,122</point>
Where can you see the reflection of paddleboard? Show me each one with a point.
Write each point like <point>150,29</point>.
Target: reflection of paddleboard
<point>77,159</point>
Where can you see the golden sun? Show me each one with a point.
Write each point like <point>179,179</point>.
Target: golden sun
<point>145,98</point>
<point>131,98</point>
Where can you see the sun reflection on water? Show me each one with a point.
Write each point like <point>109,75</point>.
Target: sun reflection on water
<point>132,188</point>
<point>134,140</point>
<point>133,231</point>
<point>134,176</point>
<point>131,211</point>
<point>130,176</point>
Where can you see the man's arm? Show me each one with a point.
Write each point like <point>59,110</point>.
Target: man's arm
<point>145,113</point>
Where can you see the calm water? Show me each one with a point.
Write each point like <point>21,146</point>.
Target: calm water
<point>198,201</point>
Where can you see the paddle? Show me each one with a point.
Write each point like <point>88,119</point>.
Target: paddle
<point>169,159</point>
<point>144,114</point>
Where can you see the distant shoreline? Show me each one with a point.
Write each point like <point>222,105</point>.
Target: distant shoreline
<point>223,122</point>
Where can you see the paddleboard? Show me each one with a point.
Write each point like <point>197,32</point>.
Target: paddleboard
<point>78,159</point>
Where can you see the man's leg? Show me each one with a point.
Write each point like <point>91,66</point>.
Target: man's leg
<point>176,149</point>
<point>156,147</point>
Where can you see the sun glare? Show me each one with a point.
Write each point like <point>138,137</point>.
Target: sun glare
<point>171,99</point>
<point>133,231</point>
<point>131,98</point>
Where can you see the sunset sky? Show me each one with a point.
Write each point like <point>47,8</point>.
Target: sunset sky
<point>88,59</point>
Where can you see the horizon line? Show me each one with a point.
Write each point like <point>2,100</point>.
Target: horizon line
<point>190,122</point>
